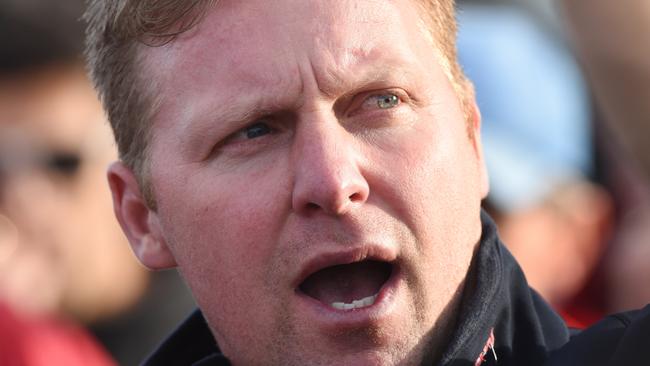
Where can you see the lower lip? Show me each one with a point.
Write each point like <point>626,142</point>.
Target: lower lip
<point>331,318</point>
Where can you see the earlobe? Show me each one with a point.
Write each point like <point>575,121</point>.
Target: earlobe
<point>139,223</point>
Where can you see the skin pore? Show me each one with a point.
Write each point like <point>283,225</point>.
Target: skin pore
<point>302,136</point>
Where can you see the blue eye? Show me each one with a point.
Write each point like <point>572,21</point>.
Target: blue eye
<point>386,101</point>
<point>381,101</point>
<point>257,130</point>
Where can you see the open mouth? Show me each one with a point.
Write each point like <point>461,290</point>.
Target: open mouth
<point>348,286</point>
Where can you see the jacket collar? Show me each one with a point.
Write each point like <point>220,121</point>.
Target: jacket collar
<point>500,310</point>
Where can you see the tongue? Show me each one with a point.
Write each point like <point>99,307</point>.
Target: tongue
<point>347,282</point>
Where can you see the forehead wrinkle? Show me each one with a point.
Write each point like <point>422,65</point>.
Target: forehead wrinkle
<point>362,69</point>
<point>338,62</point>
<point>335,73</point>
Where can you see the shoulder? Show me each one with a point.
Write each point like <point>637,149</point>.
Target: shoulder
<point>619,339</point>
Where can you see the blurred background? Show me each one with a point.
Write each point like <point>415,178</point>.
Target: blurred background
<point>71,292</point>
<point>563,88</point>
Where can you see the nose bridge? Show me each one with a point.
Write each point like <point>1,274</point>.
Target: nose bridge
<point>328,175</point>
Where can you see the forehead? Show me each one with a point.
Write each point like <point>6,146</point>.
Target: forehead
<point>249,43</point>
<point>290,22</point>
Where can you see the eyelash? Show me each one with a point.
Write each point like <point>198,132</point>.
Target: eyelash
<point>370,103</point>
<point>388,100</point>
<point>251,134</point>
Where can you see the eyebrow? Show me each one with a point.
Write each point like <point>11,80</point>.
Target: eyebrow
<point>202,125</point>
<point>358,77</point>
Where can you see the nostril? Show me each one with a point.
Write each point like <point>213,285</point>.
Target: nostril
<point>332,192</point>
<point>311,206</point>
<point>335,205</point>
<point>356,197</point>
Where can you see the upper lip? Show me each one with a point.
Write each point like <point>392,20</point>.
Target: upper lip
<point>324,260</point>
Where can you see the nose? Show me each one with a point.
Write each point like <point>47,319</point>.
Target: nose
<point>328,175</point>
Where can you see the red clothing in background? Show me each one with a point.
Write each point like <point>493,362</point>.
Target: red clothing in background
<point>46,341</point>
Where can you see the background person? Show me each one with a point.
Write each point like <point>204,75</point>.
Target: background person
<point>64,263</point>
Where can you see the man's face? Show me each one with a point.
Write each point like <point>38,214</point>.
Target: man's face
<point>309,155</point>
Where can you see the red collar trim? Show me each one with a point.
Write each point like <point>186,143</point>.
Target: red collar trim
<point>489,345</point>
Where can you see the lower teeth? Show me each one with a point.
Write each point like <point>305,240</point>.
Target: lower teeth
<point>356,304</point>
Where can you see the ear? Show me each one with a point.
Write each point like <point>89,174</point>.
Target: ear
<point>475,125</point>
<point>140,224</point>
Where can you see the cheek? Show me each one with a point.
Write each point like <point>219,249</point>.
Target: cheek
<point>223,227</point>
<point>436,177</point>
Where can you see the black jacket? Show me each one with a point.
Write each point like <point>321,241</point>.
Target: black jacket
<point>501,322</point>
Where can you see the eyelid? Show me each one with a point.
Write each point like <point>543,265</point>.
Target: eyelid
<point>359,99</point>
<point>232,138</point>
<point>242,130</point>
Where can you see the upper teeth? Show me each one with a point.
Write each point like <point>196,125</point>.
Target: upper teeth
<point>356,304</point>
